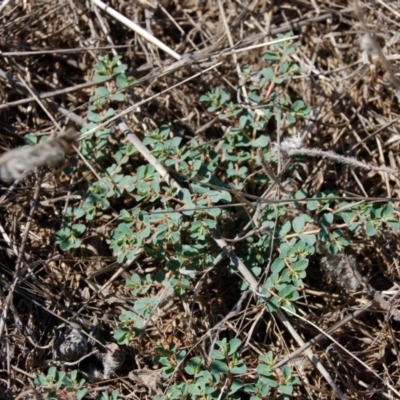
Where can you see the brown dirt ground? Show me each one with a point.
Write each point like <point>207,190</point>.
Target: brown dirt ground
<point>355,112</point>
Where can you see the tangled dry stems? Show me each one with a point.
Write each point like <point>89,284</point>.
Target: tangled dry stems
<point>355,113</point>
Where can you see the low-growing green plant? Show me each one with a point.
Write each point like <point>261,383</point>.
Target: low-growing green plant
<point>59,384</point>
<point>174,226</point>
<point>62,385</point>
<point>221,377</point>
<point>114,395</point>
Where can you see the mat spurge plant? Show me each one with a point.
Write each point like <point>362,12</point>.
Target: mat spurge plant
<point>59,384</point>
<point>223,190</point>
<point>225,369</point>
<point>67,386</point>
